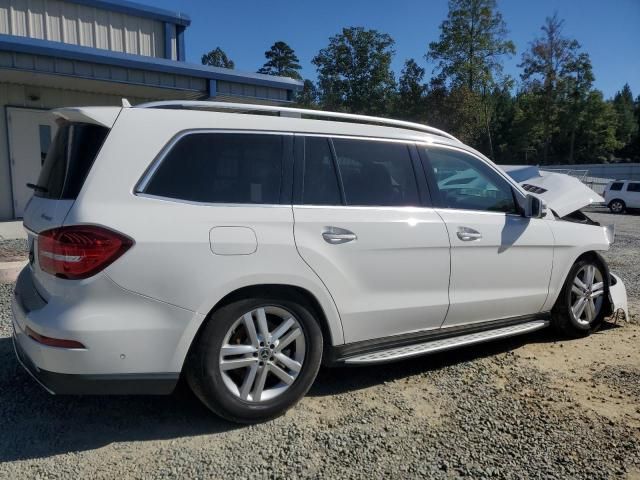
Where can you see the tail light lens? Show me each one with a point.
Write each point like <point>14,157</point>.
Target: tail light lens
<point>79,251</point>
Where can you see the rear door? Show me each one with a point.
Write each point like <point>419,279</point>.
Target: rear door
<point>30,133</point>
<point>633,195</point>
<point>500,261</point>
<point>364,225</point>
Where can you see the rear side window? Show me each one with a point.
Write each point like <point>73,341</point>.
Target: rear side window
<point>69,159</point>
<point>376,173</point>
<point>616,186</point>
<point>633,187</point>
<point>221,168</point>
<point>320,185</point>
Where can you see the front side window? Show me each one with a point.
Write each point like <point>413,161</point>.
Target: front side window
<point>221,168</point>
<point>633,187</point>
<point>376,173</point>
<point>466,183</point>
<point>616,186</point>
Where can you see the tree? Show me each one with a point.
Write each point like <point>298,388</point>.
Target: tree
<point>308,97</point>
<point>217,58</point>
<point>354,71</point>
<point>281,61</point>
<point>411,92</point>
<point>471,45</point>
<point>627,124</point>
<point>554,66</point>
<point>468,55</point>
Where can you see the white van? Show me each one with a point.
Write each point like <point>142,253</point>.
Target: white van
<point>242,247</point>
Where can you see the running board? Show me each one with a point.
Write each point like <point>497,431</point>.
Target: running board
<point>440,345</point>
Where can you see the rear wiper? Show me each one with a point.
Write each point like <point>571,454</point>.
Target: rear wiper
<point>37,188</point>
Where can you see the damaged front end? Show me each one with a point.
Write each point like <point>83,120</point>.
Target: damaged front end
<point>565,196</point>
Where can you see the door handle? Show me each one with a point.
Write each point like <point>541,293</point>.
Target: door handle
<point>336,236</point>
<point>467,234</point>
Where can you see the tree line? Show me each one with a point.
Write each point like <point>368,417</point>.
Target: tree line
<point>553,115</point>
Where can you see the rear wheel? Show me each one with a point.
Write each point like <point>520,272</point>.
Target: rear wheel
<point>617,206</point>
<point>255,359</point>
<point>580,308</point>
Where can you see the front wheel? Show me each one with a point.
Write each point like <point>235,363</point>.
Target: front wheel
<point>580,308</point>
<point>255,358</point>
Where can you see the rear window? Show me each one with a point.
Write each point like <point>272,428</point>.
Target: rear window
<point>633,187</point>
<point>616,186</point>
<point>69,159</point>
<point>221,168</point>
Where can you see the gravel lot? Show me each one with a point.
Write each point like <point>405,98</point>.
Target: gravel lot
<point>531,407</point>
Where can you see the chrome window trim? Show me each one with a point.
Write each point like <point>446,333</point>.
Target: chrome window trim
<point>210,204</point>
<point>405,208</point>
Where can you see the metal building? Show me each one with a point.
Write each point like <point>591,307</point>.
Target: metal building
<point>56,53</point>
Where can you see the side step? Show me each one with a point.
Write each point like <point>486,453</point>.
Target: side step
<point>440,345</point>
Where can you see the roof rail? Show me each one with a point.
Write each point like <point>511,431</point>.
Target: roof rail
<point>198,104</point>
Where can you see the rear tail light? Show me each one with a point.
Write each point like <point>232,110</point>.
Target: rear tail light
<point>79,251</point>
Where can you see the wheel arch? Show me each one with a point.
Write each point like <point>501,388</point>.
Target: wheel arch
<point>616,199</point>
<point>599,259</point>
<point>273,290</point>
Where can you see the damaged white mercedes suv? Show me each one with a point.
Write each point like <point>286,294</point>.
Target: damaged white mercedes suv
<point>242,246</point>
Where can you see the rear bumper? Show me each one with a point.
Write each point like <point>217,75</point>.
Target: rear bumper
<point>130,340</point>
<point>74,384</point>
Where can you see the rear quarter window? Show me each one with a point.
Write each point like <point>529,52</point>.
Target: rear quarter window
<point>69,160</point>
<point>616,186</point>
<point>221,168</point>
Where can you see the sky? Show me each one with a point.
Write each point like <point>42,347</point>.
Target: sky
<point>608,30</point>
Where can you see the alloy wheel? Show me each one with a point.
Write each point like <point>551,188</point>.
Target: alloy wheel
<point>587,295</point>
<point>616,207</point>
<point>262,354</point>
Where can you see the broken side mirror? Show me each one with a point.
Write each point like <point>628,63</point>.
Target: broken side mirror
<point>535,207</point>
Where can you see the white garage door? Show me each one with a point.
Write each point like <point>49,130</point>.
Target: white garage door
<point>30,133</point>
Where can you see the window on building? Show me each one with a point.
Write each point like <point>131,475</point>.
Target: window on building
<point>376,173</point>
<point>221,168</point>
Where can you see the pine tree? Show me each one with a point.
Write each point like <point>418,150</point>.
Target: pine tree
<point>281,61</point>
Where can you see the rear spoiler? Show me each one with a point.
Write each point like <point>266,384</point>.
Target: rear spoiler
<point>103,116</point>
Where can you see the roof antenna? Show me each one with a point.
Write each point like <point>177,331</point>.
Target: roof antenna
<point>125,103</point>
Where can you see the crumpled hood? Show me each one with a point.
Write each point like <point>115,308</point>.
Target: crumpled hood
<point>563,193</point>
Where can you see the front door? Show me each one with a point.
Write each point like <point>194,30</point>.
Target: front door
<point>30,133</point>
<point>500,260</point>
<point>382,253</point>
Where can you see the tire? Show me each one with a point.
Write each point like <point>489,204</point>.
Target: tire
<point>594,294</point>
<point>617,206</point>
<point>215,377</point>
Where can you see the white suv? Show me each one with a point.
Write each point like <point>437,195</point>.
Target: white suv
<point>242,250</point>
<point>622,194</point>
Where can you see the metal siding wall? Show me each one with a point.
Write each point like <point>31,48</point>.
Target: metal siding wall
<point>67,22</point>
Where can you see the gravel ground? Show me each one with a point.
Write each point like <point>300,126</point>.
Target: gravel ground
<point>13,250</point>
<point>530,407</point>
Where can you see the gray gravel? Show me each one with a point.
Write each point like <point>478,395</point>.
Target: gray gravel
<point>13,250</point>
<point>492,411</point>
